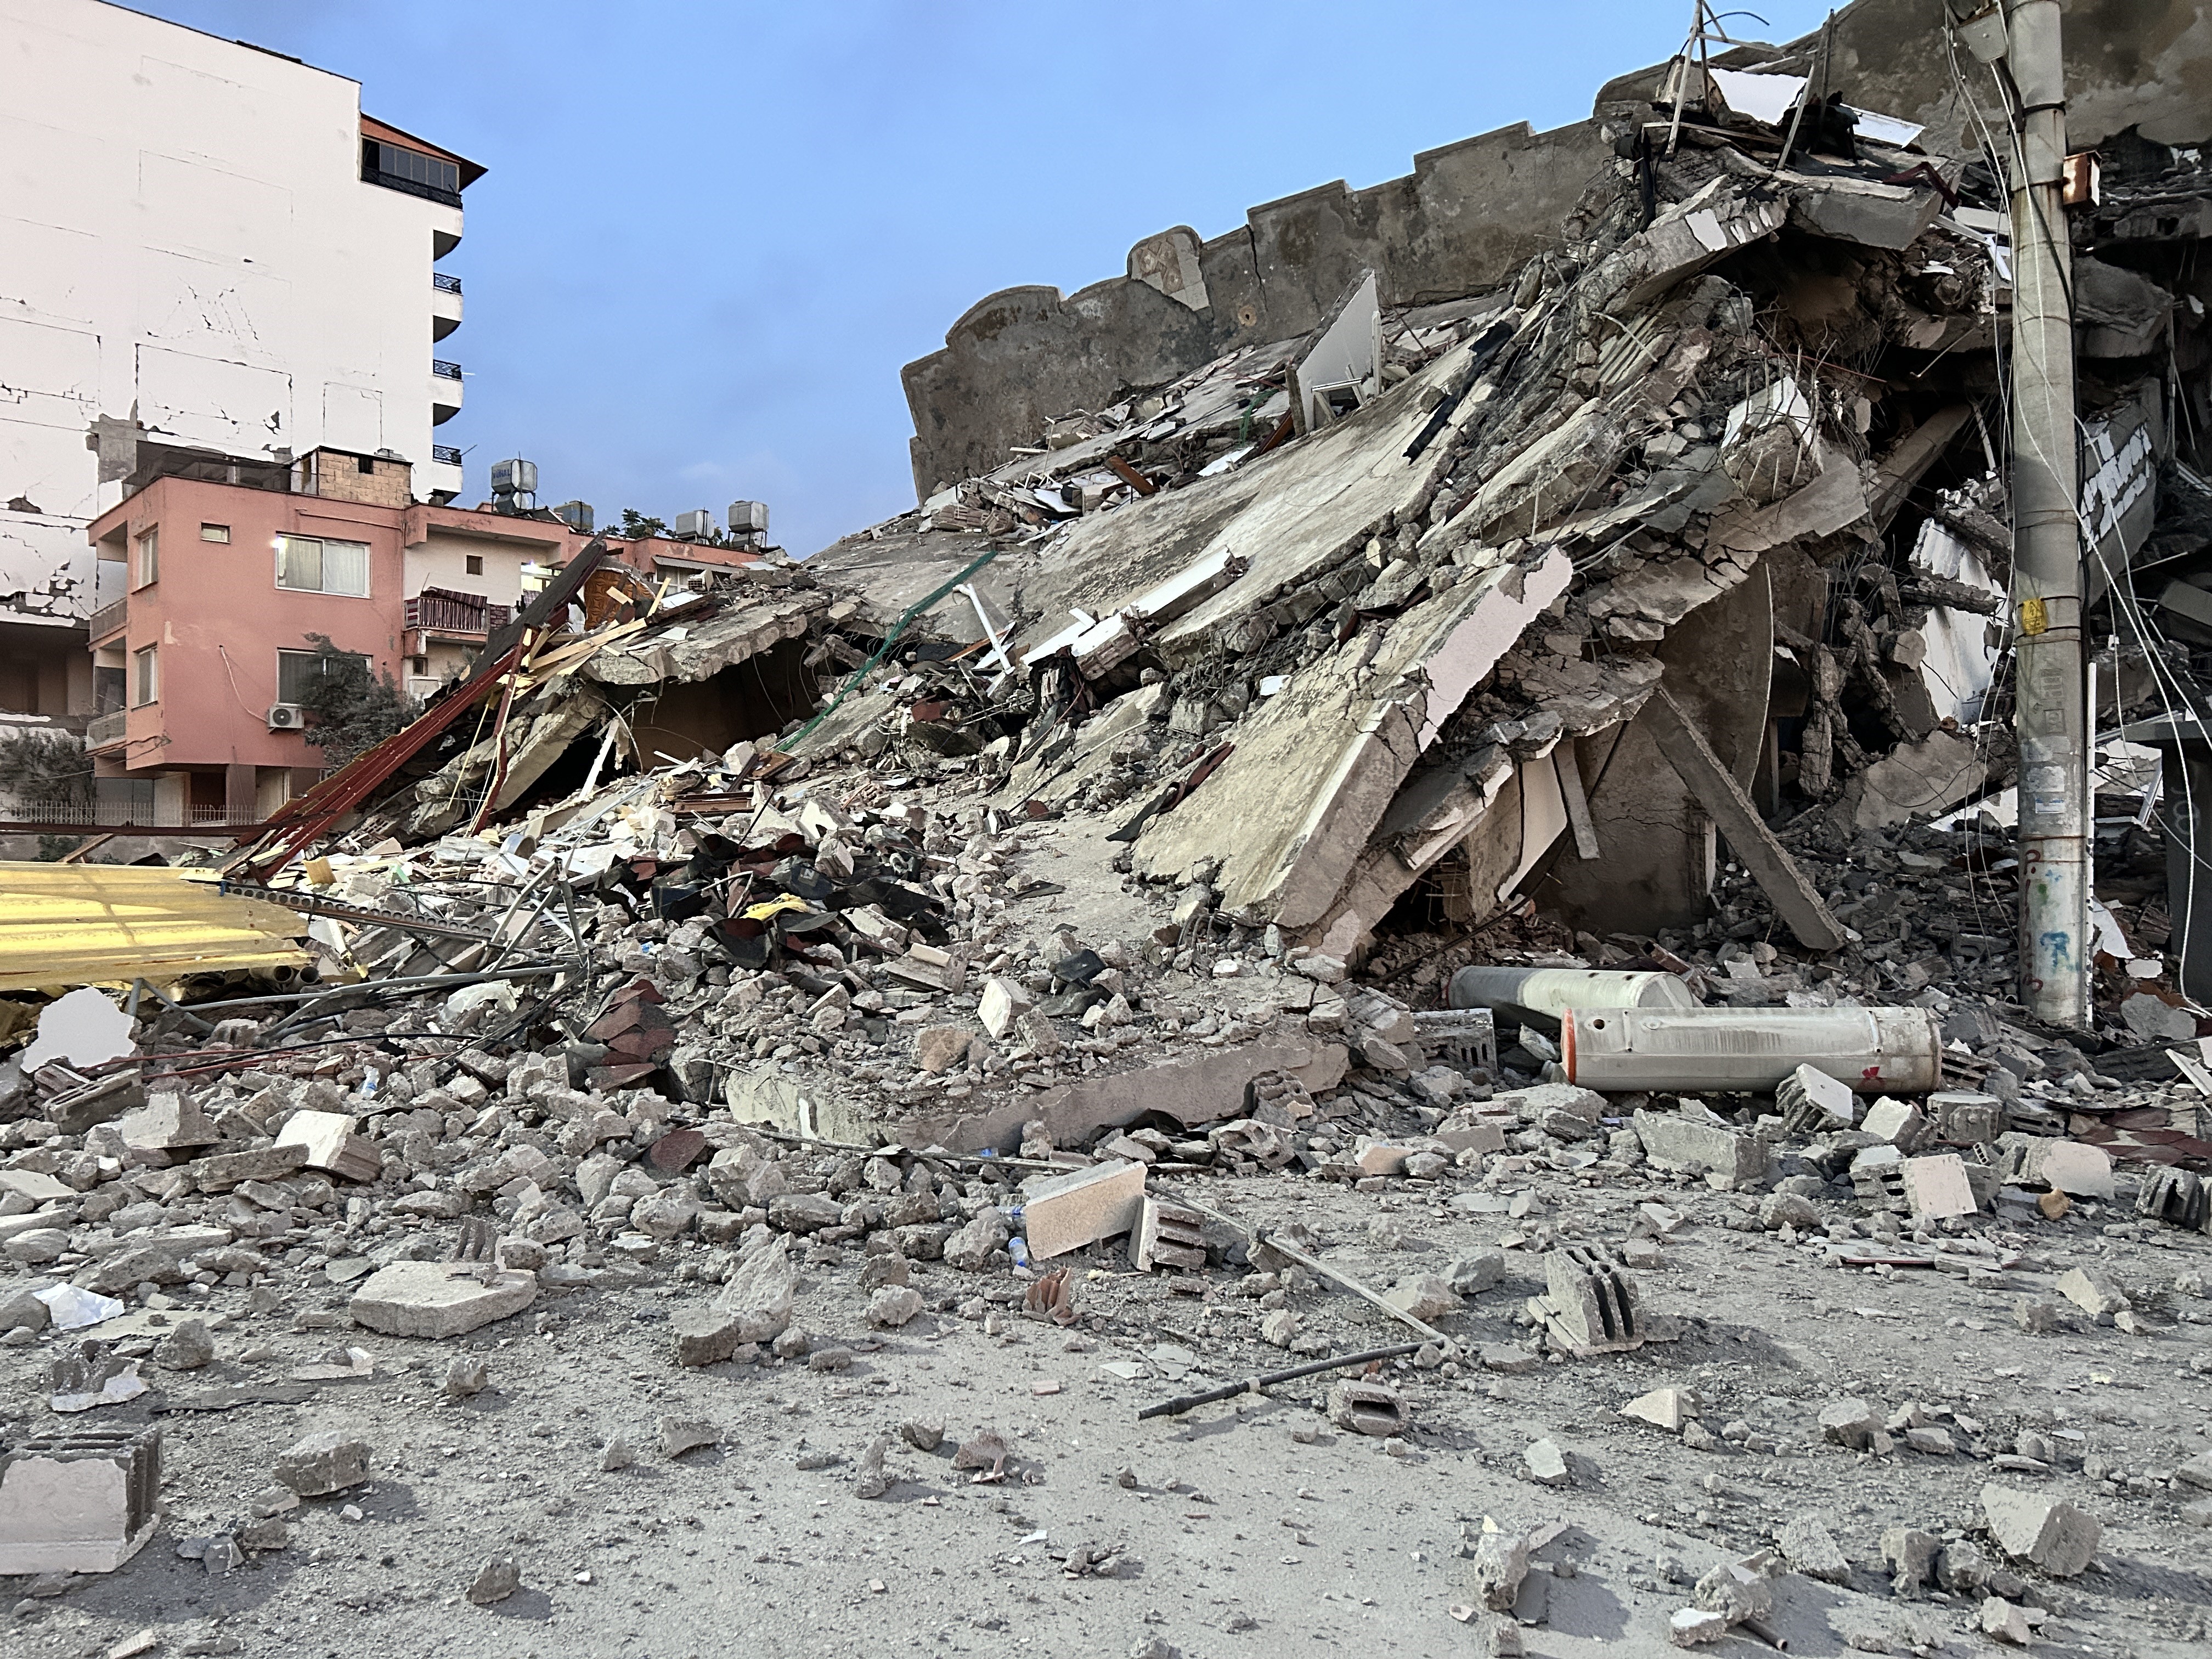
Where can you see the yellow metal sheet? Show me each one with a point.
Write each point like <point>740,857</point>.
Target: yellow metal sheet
<point>87,924</point>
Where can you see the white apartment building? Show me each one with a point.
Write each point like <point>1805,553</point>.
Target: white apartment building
<point>211,262</point>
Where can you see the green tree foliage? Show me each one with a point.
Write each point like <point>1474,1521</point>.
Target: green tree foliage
<point>348,708</point>
<point>45,768</point>
<point>636,527</point>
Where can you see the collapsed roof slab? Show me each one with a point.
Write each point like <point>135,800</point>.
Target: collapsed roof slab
<point>1454,803</point>
<point>1315,767</point>
<point>740,630</point>
<point>1285,516</point>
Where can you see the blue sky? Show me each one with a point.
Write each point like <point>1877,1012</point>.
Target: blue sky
<point>712,234</point>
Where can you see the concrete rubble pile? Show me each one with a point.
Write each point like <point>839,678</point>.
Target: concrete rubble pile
<point>1484,828</point>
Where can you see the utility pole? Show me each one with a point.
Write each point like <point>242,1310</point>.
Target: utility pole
<point>2046,584</point>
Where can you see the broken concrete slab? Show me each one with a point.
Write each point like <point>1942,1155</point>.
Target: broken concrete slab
<point>1319,763</point>
<point>1728,1157</point>
<point>753,1306</point>
<point>1915,780</point>
<point>319,1464</point>
<point>1066,1212</point>
<point>438,1300</point>
<point>1936,1187</point>
<point>328,1142</point>
<point>1811,1549</point>
<point>1201,1088</point>
<point>2048,1533</point>
<point>1665,1408</point>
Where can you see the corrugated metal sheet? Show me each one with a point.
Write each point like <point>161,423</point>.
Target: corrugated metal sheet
<point>80,924</point>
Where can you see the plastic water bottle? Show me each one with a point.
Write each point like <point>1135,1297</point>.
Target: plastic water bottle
<point>1019,1248</point>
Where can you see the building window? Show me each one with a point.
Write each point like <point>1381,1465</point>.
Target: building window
<point>400,168</point>
<point>149,557</point>
<point>296,671</point>
<point>475,563</point>
<point>312,564</point>
<point>215,532</point>
<point>364,464</point>
<point>146,680</point>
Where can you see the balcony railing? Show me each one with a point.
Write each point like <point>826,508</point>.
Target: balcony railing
<point>441,610</point>
<point>444,370</point>
<point>444,283</point>
<point>105,729</point>
<point>125,810</point>
<point>108,618</point>
<point>446,455</point>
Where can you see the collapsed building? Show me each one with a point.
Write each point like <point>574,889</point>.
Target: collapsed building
<point>1320,762</point>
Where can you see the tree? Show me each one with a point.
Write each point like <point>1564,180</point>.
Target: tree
<point>348,708</point>
<point>45,768</point>
<point>636,527</point>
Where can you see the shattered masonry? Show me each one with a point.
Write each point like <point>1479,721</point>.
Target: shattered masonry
<point>1452,868</point>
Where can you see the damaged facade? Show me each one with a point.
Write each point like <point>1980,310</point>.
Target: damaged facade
<point>1472,840</point>
<point>212,260</point>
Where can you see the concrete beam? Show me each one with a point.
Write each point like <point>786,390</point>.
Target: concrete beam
<point>1795,899</point>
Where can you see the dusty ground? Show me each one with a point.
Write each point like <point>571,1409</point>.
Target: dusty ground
<point>1247,1526</point>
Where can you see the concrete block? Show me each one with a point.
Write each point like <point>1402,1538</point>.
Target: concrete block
<point>1811,1101</point>
<point>1731,1158</point>
<point>85,1502</point>
<point>2093,1291</point>
<point>1501,1562</point>
<point>1897,1121</point>
<point>1425,1296</point>
<point>2047,1532</point>
<point>1592,1297</point>
<point>1475,1133</point>
<point>2077,1169</point>
<point>1002,1003</point>
<point>2003,1622</point>
<point>1811,1549</point>
<point>753,1306</point>
<point>168,1121</point>
<point>1663,1408</point>
<point>1690,1627</point>
<point>35,1185</point>
<point>941,1047</point>
<point>1361,1407</point>
<point>1963,1118</point>
<point>1850,1423</point>
<point>1478,1270</point>
<point>1166,1236</point>
<point>222,1171</point>
<point>328,1140</point>
<point>439,1298</point>
<point>317,1465</point>
<point>1380,1158</point>
<point>2063,1166</point>
<point>1067,1211</point>
<point>1937,1187</point>
<point>1545,1463</point>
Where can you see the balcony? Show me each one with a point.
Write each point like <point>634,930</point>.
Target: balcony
<point>106,730</point>
<point>108,619</point>
<point>444,614</point>
<point>444,390</point>
<point>445,304</point>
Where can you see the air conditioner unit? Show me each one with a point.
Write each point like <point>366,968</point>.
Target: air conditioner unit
<point>286,717</point>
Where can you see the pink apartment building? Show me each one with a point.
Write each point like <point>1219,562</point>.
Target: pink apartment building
<point>199,667</point>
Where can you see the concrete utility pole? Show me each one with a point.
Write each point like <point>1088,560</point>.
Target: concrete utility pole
<point>2046,584</point>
